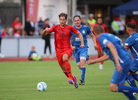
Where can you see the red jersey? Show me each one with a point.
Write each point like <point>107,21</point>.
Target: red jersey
<point>62,36</point>
<point>18,24</point>
<point>104,26</point>
<point>4,34</point>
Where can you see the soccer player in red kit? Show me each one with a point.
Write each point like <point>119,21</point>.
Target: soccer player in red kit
<point>99,51</point>
<point>63,45</point>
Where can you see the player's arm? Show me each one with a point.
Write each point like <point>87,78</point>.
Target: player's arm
<point>81,39</point>
<point>45,31</point>
<point>72,47</point>
<point>126,46</point>
<point>115,55</point>
<point>94,41</point>
<point>103,58</point>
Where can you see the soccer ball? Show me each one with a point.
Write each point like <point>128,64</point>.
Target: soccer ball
<point>41,86</point>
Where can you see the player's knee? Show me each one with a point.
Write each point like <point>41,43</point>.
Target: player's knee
<point>65,57</point>
<point>113,88</point>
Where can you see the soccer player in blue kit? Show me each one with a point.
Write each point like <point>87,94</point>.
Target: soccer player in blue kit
<point>132,44</point>
<point>81,54</point>
<point>113,47</point>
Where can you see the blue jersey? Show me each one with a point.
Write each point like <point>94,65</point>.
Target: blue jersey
<point>132,42</point>
<point>123,54</point>
<point>84,30</point>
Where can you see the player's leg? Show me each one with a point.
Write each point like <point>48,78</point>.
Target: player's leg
<point>130,78</point>
<point>134,69</point>
<point>83,56</point>
<point>67,66</point>
<point>125,89</point>
<point>135,76</point>
<point>83,70</point>
<point>72,79</point>
<point>118,81</point>
<point>64,70</point>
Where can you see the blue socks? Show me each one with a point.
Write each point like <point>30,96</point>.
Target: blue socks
<point>135,76</point>
<point>131,81</point>
<point>83,71</point>
<point>129,95</point>
<point>128,91</point>
<point>123,88</point>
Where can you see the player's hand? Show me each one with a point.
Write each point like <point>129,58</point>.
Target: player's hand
<point>73,47</point>
<point>90,62</point>
<point>119,68</point>
<point>82,46</point>
<point>96,47</point>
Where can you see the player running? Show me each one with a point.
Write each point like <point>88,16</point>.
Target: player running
<point>132,44</point>
<point>99,51</point>
<point>81,54</point>
<point>63,45</point>
<point>112,45</point>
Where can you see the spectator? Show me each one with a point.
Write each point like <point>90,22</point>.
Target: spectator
<point>91,21</point>
<point>40,25</point>
<point>29,27</point>
<point>17,35</point>
<point>16,25</point>
<point>47,39</point>
<point>121,25</point>
<point>83,20</point>
<point>115,27</point>
<point>5,32</point>
<point>33,55</point>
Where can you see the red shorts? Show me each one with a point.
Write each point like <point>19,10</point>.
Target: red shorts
<point>98,44</point>
<point>60,53</point>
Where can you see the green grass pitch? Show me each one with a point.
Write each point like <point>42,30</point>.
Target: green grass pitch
<point>18,81</point>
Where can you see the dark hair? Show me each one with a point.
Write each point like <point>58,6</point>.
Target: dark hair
<point>46,19</point>
<point>77,16</point>
<point>99,18</point>
<point>17,16</point>
<point>6,27</point>
<point>99,29</point>
<point>131,25</point>
<point>63,15</point>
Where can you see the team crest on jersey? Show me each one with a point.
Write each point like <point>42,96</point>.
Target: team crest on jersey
<point>77,38</point>
<point>83,31</point>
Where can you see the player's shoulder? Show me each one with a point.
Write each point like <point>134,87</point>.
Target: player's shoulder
<point>85,27</point>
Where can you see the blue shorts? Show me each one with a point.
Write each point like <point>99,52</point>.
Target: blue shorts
<point>134,66</point>
<point>80,52</point>
<point>120,78</point>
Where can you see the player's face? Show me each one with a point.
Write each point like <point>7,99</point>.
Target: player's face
<point>99,21</point>
<point>62,21</point>
<point>77,21</point>
<point>127,29</point>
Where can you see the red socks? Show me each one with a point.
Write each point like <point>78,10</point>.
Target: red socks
<point>68,69</point>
